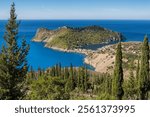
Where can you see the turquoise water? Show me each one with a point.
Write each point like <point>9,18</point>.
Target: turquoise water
<point>44,57</point>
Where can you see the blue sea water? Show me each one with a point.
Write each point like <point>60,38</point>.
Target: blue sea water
<point>39,56</point>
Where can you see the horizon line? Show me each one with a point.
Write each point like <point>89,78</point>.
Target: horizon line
<point>77,19</point>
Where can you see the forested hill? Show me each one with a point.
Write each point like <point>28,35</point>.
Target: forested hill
<point>71,38</point>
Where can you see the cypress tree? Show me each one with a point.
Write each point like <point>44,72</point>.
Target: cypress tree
<point>108,84</point>
<point>137,70</point>
<point>39,71</point>
<point>82,75</point>
<point>144,71</point>
<point>131,84</point>
<point>75,77</point>
<point>137,79</point>
<point>117,90</point>
<point>71,77</point>
<point>52,72</point>
<point>13,68</point>
<point>78,81</point>
<point>31,72</point>
<point>85,79</point>
<point>59,70</point>
<point>68,86</point>
<point>66,73</point>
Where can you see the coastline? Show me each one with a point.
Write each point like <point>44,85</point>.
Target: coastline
<point>102,59</point>
<point>96,58</point>
<point>86,52</point>
<point>81,51</point>
<point>92,57</point>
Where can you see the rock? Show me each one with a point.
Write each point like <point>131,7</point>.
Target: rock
<point>43,34</point>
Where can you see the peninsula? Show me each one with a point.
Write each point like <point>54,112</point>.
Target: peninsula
<point>73,39</point>
<point>68,38</point>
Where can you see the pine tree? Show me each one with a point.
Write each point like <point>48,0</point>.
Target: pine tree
<point>13,68</point>
<point>144,70</point>
<point>117,90</point>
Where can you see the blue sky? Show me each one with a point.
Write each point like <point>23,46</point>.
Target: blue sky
<point>77,9</point>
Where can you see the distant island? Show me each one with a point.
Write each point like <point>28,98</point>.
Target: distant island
<point>68,38</point>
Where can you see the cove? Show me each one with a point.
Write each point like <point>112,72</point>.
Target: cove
<point>39,56</point>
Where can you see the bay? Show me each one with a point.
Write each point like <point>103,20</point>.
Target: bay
<point>39,56</point>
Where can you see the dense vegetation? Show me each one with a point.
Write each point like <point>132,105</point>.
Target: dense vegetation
<point>71,38</point>
<point>67,83</point>
<point>58,83</point>
<point>80,83</point>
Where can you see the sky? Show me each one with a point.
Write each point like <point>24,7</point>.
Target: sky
<point>77,9</point>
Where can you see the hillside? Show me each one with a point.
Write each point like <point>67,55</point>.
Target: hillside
<point>74,38</point>
<point>103,59</point>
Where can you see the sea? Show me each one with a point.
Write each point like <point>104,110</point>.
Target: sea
<point>39,56</point>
